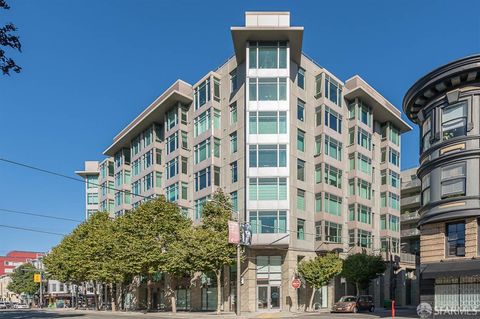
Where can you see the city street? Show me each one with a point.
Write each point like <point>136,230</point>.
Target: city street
<point>41,314</point>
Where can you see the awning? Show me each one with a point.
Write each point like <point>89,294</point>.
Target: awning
<point>457,268</point>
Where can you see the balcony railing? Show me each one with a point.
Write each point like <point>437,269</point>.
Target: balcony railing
<point>410,232</point>
<point>408,258</point>
<point>411,184</point>
<point>410,200</point>
<point>405,217</point>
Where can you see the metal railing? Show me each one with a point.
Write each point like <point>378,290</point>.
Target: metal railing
<point>410,200</point>
<point>409,232</point>
<point>405,217</point>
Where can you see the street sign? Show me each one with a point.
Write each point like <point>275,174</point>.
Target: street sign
<point>37,278</point>
<point>296,283</point>
<point>233,232</point>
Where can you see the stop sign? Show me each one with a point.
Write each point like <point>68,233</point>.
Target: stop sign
<point>296,283</point>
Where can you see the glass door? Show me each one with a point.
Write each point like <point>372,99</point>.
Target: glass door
<point>274,297</point>
<point>262,295</point>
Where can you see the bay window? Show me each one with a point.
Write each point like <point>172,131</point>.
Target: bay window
<point>267,55</point>
<point>333,90</point>
<point>454,120</point>
<point>267,122</point>
<point>333,232</point>
<point>267,188</point>
<point>453,180</point>
<point>333,120</point>
<point>202,179</point>
<point>201,94</point>
<point>268,222</point>
<point>267,89</point>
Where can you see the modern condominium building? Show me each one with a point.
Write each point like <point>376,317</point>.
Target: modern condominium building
<point>310,161</point>
<point>445,104</point>
<point>410,204</point>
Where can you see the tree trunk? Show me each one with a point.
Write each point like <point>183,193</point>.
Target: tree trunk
<point>120,296</point>
<point>113,297</point>
<point>172,293</point>
<point>218,273</point>
<point>311,299</point>
<point>149,292</point>
<point>357,285</point>
<point>95,295</point>
<point>76,297</point>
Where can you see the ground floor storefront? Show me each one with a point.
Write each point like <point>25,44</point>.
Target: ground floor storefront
<point>451,287</point>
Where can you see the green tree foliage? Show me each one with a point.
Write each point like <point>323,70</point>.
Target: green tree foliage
<point>145,235</point>
<point>8,39</point>
<point>22,280</point>
<point>210,248</point>
<point>361,268</point>
<point>318,271</point>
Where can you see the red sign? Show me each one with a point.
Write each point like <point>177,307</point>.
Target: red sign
<point>296,283</point>
<point>233,232</point>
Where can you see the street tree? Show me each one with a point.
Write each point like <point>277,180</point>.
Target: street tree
<point>318,271</point>
<point>145,235</point>
<point>22,280</point>
<point>211,250</point>
<point>8,39</point>
<point>361,268</point>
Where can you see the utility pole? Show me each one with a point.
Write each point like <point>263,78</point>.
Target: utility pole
<point>239,278</point>
<point>41,290</point>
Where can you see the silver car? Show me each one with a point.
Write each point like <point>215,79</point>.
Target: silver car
<point>3,305</point>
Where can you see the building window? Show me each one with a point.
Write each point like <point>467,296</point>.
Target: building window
<point>234,171</point>
<point>216,119</point>
<point>383,156</point>
<point>333,90</point>
<point>365,114</point>
<point>364,238</point>
<point>351,212</point>
<point>202,179</point>
<point>92,181</point>
<point>233,142</point>
<point>453,180</point>
<point>456,239</point>
<point>216,89</point>
<point>184,165</point>
<point>267,156</point>
<point>454,120</point>
<point>216,175</point>
<point>300,140</point>
<point>318,231</point>
<point>216,147</point>
<point>301,78</point>
<point>92,198</point>
<point>333,176</point>
<point>333,232</point>
<point>148,182</point>
<point>300,110</point>
<point>318,86</point>
<point>147,137</point>
<point>333,204</point>
<point>202,151</point>
<point>426,189</point>
<point>394,135</point>
<point>318,145</point>
<point>119,179</point>
<point>158,179</point>
<point>268,222</point>
<point>393,223</point>
<point>300,229</point>
<point>172,118</point>
<point>172,168</point>
<point>267,188</point>
<point>199,203</point>
<point>184,140</point>
<point>364,189</point>
<point>233,113</point>
<point>318,116</point>
<point>201,94</point>
<point>318,173</point>
<point>233,81</point>
<point>267,55</point>
<point>201,123</point>
<point>158,157</point>
<point>394,179</point>
<point>184,115</point>
<point>393,201</point>
<point>364,139</point>
<point>318,202</point>
<point>172,142</point>
<point>184,191</point>
<point>426,133</point>
<point>364,214</point>
<point>333,148</point>
<point>394,157</point>
<point>300,199</point>
<point>351,110</point>
<point>300,170</point>
<point>234,200</point>
<point>267,89</point>
<point>267,122</point>
<point>333,120</point>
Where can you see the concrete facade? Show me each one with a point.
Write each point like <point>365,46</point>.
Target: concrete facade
<point>445,104</point>
<point>312,163</point>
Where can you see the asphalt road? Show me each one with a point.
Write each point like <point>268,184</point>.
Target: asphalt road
<point>42,314</point>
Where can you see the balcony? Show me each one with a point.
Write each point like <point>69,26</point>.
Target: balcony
<point>415,183</point>
<point>408,258</point>
<point>410,201</point>
<point>410,216</point>
<point>411,232</point>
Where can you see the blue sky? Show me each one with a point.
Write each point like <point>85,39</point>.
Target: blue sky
<point>89,67</point>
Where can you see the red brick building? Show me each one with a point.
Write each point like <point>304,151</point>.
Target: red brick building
<point>14,259</point>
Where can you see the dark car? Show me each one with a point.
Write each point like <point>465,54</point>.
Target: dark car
<point>354,304</point>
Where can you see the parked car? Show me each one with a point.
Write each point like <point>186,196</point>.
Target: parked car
<point>354,304</point>
<point>3,305</point>
<point>23,306</point>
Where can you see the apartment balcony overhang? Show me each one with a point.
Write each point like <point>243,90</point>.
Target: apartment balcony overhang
<point>450,268</point>
<point>383,110</point>
<point>454,75</point>
<point>267,26</point>
<point>262,240</point>
<point>179,92</point>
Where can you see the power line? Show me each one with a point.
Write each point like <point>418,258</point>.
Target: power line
<point>38,215</point>
<point>33,230</point>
